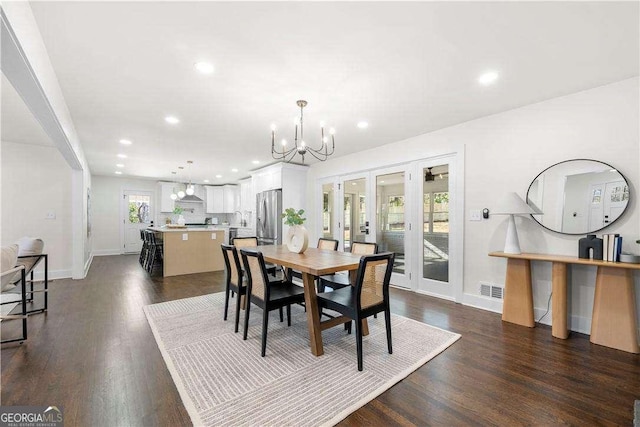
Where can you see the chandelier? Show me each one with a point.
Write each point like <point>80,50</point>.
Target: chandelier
<point>299,145</point>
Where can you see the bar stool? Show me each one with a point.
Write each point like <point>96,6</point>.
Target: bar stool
<point>145,247</point>
<point>155,251</point>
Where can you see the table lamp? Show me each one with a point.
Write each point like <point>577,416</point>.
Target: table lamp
<point>512,205</point>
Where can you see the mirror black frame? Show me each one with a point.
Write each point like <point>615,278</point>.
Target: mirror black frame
<point>588,232</point>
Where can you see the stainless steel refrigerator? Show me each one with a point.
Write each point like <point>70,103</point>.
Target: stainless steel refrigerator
<point>268,217</point>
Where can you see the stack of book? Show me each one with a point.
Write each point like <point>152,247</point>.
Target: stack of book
<point>611,247</point>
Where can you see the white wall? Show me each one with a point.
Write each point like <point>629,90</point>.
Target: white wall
<point>504,153</point>
<point>35,180</point>
<point>106,194</point>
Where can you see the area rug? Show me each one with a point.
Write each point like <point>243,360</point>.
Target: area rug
<point>223,380</point>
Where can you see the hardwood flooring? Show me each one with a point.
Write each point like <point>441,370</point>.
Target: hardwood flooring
<point>94,354</point>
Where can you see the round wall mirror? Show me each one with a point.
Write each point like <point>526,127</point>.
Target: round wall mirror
<point>578,196</point>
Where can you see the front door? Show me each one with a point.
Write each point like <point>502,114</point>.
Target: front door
<point>136,215</point>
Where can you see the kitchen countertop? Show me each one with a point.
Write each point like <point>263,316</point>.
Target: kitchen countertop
<point>189,229</point>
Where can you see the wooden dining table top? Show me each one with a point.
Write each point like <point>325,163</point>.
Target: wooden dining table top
<point>316,262</point>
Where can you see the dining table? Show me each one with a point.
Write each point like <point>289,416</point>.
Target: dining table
<point>313,263</point>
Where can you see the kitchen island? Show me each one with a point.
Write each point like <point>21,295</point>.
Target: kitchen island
<point>191,250</point>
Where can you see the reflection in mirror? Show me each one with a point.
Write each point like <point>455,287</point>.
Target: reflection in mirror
<point>578,196</point>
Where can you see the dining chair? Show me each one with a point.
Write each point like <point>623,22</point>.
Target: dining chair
<point>368,296</point>
<point>266,294</point>
<point>244,242</point>
<point>234,280</point>
<point>337,281</point>
<point>326,244</point>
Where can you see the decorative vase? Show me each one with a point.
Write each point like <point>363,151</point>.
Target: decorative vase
<point>180,220</point>
<point>297,239</point>
<point>590,247</point>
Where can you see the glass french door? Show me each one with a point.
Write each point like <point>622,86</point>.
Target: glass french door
<point>435,196</point>
<point>392,231</point>
<point>354,223</point>
<point>411,210</point>
<point>328,210</point>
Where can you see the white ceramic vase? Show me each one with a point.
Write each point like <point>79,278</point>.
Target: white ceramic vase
<point>180,220</point>
<point>297,239</point>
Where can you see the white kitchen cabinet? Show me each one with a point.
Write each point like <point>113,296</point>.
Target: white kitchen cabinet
<point>215,199</point>
<point>165,191</point>
<point>267,179</point>
<point>223,199</point>
<point>247,197</point>
<point>230,194</point>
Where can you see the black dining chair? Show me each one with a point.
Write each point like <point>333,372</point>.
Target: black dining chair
<point>243,242</point>
<point>368,296</point>
<point>326,244</point>
<point>234,280</point>
<point>337,281</point>
<point>266,294</point>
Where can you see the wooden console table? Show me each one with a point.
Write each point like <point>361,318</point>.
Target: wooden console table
<point>614,322</point>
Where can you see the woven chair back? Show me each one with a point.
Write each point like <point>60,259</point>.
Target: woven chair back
<point>362,248</point>
<point>245,242</point>
<point>328,244</point>
<point>254,266</point>
<point>373,279</point>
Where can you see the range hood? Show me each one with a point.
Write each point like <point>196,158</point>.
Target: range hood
<point>191,199</point>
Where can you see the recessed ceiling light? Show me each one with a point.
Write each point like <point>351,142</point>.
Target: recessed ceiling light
<point>218,176</point>
<point>488,78</point>
<point>354,183</point>
<point>204,67</point>
<point>118,172</point>
<point>381,182</point>
<point>206,180</point>
<point>172,120</point>
<point>234,170</point>
<point>122,156</point>
<point>363,125</point>
<point>256,162</point>
<point>119,165</point>
<point>125,142</point>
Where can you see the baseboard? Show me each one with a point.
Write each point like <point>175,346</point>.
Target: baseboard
<point>87,265</point>
<point>483,303</point>
<point>107,252</point>
<point>53,274</point>
<point>431,294</point>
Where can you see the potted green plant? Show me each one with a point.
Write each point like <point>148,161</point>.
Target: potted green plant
<point>297,239</point>
<point>178,211</point>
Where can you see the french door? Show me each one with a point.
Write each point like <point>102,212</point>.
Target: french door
<point>413,210</point>
<point>373,207</point>
<point>354,210</point>
<point>436,195</point>
<point>391,212</point>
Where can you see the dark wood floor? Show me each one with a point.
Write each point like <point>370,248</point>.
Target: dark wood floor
<point>94,354</point>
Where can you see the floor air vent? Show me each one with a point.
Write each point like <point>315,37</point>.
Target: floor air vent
<point>491,291</point>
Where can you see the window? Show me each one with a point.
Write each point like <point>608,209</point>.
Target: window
<point>139,209</point>
<point>395,215</point>
<point>436,214</point>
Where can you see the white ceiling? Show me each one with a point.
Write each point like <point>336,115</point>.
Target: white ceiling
<point>406,68</point>
<point>17,124</point>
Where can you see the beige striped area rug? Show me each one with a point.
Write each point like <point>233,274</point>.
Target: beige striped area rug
<point>223,381</point>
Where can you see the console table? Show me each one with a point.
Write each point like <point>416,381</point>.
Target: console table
<point>614,322</point>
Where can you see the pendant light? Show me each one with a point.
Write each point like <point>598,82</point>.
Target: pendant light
<point>181,192</point>
<point>190,188</point>
<point>174,195</point>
